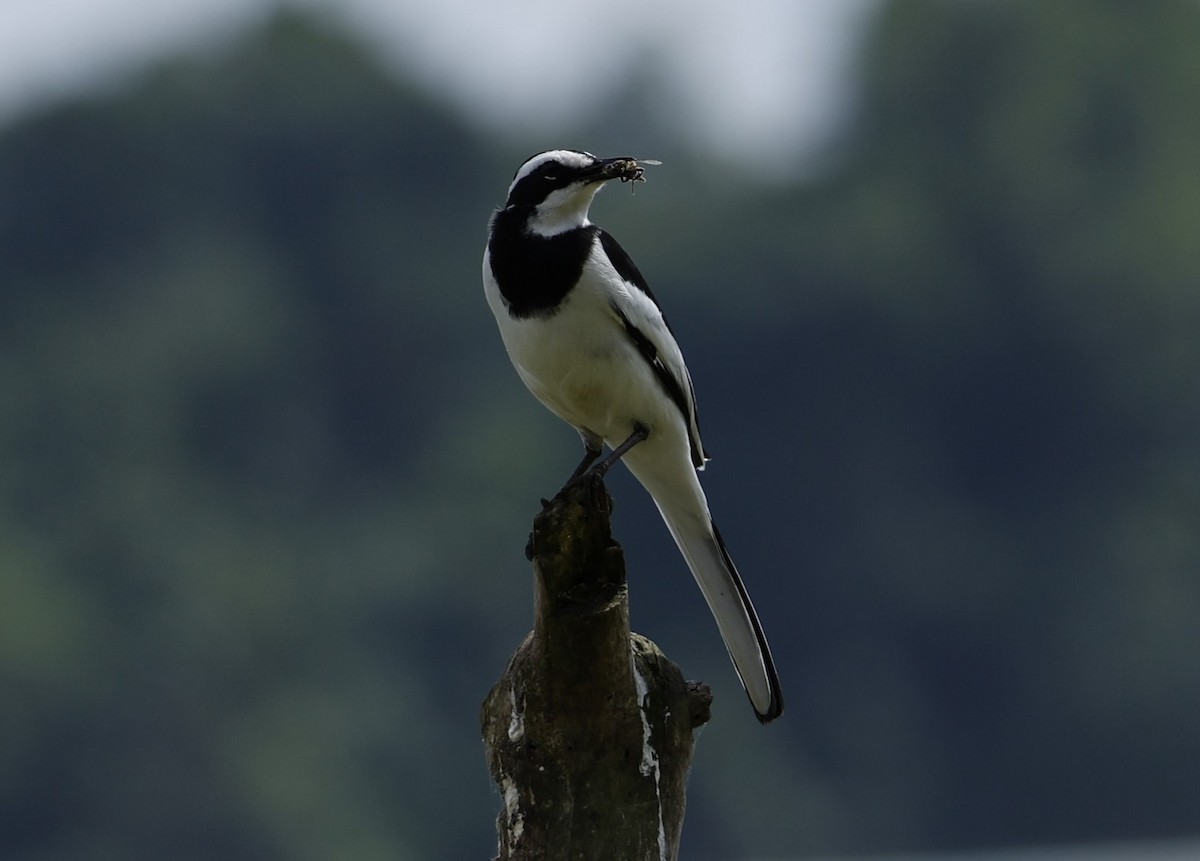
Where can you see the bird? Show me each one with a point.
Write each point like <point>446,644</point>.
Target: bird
<point>589,340</point>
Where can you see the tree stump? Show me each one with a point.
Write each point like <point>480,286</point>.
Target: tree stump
<point>589,732</point>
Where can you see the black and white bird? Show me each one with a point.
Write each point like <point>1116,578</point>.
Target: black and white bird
<point>588,339</point>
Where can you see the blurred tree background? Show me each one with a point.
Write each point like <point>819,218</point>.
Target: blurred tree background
<point>266,474</point>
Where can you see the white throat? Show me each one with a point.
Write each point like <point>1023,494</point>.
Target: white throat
<point>563,210</point>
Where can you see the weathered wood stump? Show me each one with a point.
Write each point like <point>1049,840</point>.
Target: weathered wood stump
<point>589,732</point>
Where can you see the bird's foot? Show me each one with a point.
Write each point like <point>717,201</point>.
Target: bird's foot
<point>640,432</point>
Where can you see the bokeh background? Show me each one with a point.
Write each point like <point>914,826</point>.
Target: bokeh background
<point>266,474</point>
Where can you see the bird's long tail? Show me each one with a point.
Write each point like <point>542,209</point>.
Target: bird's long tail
<point>718,578</point>
<point>686,515</point>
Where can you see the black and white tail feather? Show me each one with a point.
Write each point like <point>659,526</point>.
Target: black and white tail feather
<point>588,338</point>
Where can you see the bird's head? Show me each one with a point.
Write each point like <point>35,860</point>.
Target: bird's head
<point>557,187</point>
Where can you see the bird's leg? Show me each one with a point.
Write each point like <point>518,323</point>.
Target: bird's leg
<point>590,453</point>
<point>640,432</point>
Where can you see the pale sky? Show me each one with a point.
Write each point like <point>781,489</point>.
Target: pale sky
<point>770,78</point>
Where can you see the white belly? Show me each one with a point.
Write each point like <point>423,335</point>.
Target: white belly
<point>582,365</point>
<point>584,368</point>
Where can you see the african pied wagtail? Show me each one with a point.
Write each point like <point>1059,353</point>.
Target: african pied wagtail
<point>589,340</point>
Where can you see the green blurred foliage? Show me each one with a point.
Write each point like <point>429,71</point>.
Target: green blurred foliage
<point>267,475</point>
